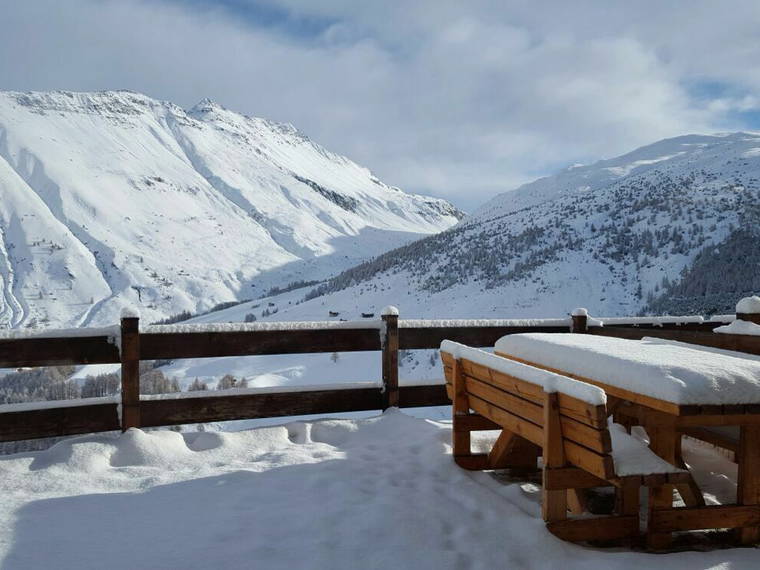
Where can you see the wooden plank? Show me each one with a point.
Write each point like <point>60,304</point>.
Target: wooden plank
<point>748,483</point>
<point>649,401</point>
<point>571,478</point>
<point>520,426</point>
<point>130,373</point>
<point>569,406</point>
<point>627,498</point>
<point>698,518</point>
<point>587,436</point>
<point>102,417</point>
<point>478,336</point>
<point>446,359</point>
<point>517,386</point>
<point>56,422</point>
<point>553,503</point>
<point>597,528</point>
<point>390,362</point>
<point>717,439</point>
<point>596,464</point>
<point>15,353</point>
<point>241,343</point>
<point>718,420</point>
<point>476,422</point>
<point>500,450</point>
<point>576,501</point>
<point>250,406</point>
<point>519,406</point>
<point>423,396</point>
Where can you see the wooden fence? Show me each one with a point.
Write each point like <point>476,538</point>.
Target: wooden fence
<point>387,336</point>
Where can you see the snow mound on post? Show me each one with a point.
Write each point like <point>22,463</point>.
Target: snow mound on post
<point>389,311</point>
<point>579,312</point>
<point>549,381</point>
<point>130,313</point>
<point>749,305</point>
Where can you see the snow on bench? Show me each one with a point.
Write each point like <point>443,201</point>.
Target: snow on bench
<point>675,373</point>
<point>632,456</point>
<point>548,381</point>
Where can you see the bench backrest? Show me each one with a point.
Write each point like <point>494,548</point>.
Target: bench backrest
<point>519,405</point>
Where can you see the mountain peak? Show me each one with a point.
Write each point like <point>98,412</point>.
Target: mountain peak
<point>205,105</point>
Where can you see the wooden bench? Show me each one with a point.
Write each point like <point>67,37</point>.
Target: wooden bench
<point>563,420</point>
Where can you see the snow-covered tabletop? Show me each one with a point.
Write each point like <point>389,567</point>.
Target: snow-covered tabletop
<point>675,373</point>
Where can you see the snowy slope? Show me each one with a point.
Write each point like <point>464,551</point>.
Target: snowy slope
<point>614,236</point>
<point>113,199</point>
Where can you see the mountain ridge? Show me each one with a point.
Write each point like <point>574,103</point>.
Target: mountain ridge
<point>617,236</point>
<point>130,201</point>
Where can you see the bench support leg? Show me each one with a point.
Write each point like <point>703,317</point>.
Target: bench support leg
<point>690,492</point>
<point>748,487</point>
<point>461,440</point>
<point>576,501</point>
<point>511,451</point>
<point>554,503</point>
<point>627,498</point>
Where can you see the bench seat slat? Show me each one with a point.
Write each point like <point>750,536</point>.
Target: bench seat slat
<point>513,423</point>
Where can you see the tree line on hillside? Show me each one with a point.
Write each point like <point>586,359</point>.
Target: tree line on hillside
<point>640,223</point>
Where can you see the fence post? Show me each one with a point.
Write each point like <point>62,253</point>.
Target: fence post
<point>580,321</point>
<point>130,371</point>
<point>390,357</point>
<point>748,309</point>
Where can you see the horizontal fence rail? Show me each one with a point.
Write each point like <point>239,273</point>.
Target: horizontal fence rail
<point>128,344</point>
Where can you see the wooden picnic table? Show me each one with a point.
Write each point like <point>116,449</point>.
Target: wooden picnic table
<point>668,388</point>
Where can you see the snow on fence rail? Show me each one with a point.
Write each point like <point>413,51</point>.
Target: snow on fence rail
<point>130,343</point>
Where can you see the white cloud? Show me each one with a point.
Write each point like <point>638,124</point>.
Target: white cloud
<point>456,99</point>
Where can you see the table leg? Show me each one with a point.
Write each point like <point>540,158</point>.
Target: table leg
<point>690,492</point>
<point>663,440</point>
<point>748,484</point>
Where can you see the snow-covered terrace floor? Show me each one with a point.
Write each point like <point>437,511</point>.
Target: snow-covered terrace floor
<point>376,493</point>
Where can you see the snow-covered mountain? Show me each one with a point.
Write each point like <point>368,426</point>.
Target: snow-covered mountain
<point>668,228</point>
<point>114,199</point>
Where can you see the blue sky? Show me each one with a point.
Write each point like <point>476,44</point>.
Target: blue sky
<point>462,100</point>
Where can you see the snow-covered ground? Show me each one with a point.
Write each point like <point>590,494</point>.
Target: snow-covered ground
<point>381,492</point>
